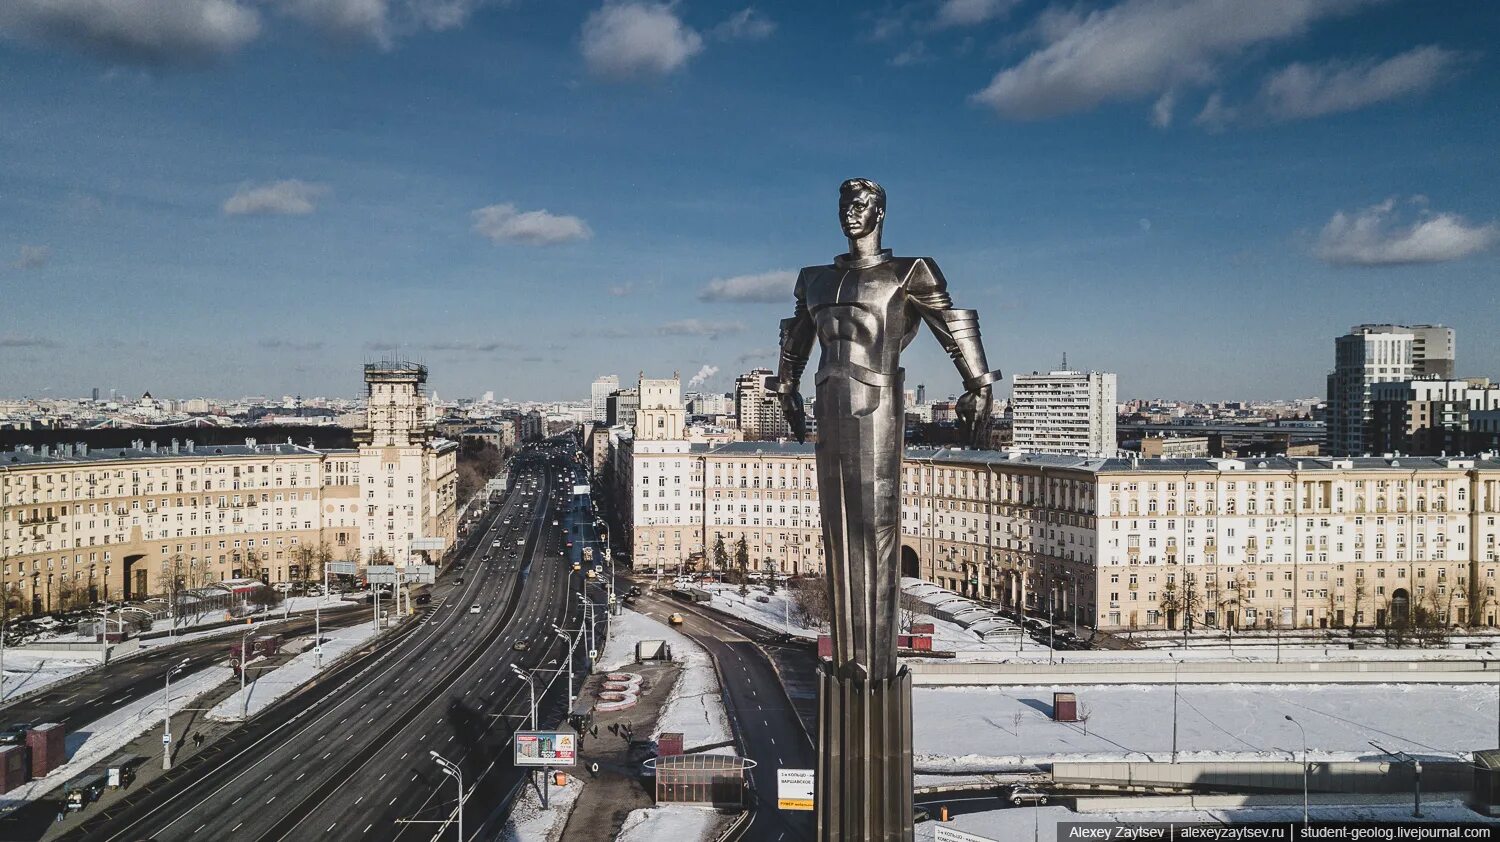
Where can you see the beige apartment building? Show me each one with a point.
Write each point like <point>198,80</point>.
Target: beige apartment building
<point>79,525</point>
<point>1278,542</point>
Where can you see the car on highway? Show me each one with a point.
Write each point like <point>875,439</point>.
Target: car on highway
<point>424,598</point>
<point>495,543</point>
<point>1024,794</point>
<point>520,646</point>
<point>474,609</point>
<point>675,619</point>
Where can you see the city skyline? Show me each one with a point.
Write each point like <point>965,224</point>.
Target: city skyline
<point>267,198</point>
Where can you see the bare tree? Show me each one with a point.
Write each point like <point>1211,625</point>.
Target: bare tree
<point>810,602</point>
<point>1082,717</point>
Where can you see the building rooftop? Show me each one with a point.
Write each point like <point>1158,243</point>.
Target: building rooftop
<point>141,451</point>
<point>1168,465</point>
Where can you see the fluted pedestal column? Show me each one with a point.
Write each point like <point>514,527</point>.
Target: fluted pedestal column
<point>864,781</point>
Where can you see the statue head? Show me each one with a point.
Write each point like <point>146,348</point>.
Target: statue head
<point>861,208</point>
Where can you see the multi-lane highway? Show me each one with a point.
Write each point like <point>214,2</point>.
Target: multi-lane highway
<point>349,758</point>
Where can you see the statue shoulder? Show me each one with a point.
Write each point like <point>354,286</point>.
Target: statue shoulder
<point>921,274</point>
<point>808,275</point>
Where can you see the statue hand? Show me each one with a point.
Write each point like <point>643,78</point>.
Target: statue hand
<point>796,416</point>
<point>974,416</point>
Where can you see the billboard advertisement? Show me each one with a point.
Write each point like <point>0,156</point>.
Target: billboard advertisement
<point>546,748</point>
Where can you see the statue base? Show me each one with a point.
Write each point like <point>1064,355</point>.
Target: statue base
<point>864,779</point>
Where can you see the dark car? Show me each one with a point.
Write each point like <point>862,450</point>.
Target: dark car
<point>424,598</point>
<point>520,646</point>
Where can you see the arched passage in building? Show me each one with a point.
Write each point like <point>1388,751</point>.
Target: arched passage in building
<point>909,564</point>
<point>135,577</point>
<point>1400,607</point>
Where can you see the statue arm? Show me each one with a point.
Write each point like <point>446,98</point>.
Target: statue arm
<point>956,330</point>
<point>797,337</point>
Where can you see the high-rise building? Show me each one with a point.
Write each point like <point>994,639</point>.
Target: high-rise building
<point>921,393</point>
<point>621,406</point>
<point>1427,416</point>
<point>1065,412</point>
<point>414,473</point>
<point>599,392</point>
<point>1362,358</point>
<point>1433,347</point>
<point>758,408</point>
<point>661,416</point>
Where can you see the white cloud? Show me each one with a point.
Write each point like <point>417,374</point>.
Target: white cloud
<point>151,32</point>
<point>915,53</point>
<point>971,12</point>
<point>290,197</point>
<point>379,22</point>
<point>745,25</point>
<point>1216,116</point>
<point>1142,48</point>
<point>345,20</point>
<point>637,39</point>
<point>1300,91</point>
<point>699,327</point>
<point>33,257</point>
<point>1161,112</point>
<point>504,223</point>
<point>764,287</point>
<point>702,376</point>
<point>1376,236</point>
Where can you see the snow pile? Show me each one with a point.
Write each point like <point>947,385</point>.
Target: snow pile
<point>695,707</point>
<point>528,822</point>
<point>96,741</point>
<point>274,684</point>
<point>984,729</point>
<point>675,822</point>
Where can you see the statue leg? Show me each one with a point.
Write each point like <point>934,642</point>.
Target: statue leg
<point>864,775</point>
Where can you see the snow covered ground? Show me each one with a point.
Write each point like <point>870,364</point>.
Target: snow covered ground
<point>528,822</point>
<point>775,613</point>
<point>29,671</point>
<point>1020,823</point>
<point>696,707</point>
<point>96,741</point>
<point>675,822</point>
<point>983,729</point>
<point>273,684</point>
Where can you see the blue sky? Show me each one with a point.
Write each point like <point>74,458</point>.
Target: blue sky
<point>252,196</point>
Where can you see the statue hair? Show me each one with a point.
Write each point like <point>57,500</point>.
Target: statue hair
<point>865,185</point>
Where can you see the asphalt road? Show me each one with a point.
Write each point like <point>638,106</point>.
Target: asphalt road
<point>80,700</point>
<point>764,717</point>
<point>350,759</point>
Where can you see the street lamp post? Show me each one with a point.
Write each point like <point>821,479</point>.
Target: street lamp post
<point>530,685</point>
<point>1176,676</point>
<point>572,645</point>
<point>166,717</point>
<point>318,618</point>
<point>1304,766</point>
<point>452,770</point>
<point>1416,768</point>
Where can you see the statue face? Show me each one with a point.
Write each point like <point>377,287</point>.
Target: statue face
<point>859,213</point>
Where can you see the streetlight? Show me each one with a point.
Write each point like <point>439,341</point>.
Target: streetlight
<point>452,770</point>
<point>1176,675</point>
<point>166,716</point>
<point>531,685</point>
<point>318,617</point>
<point>1304,766</point>
<point>572,644</point>
<point>1416,767</point>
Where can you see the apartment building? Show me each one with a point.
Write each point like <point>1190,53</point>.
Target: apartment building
<point>765,493</point>
<point>79,525</point>
<point>1226,543</point>
<point>1367,355</point>
<point>1064,412</point>
<point>599,392</point>
<point>1427,415</point>
<point>1434,351</point>
<point>758,408</point>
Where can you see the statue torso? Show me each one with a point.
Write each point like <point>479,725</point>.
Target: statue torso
<point>860,313</point>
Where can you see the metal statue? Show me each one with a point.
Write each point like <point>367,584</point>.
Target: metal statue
<point>863,310</point>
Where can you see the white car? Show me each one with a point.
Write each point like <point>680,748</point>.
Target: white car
<point>474,609</point>
<point>1023,794</point>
